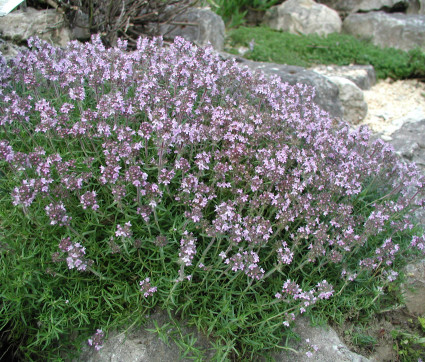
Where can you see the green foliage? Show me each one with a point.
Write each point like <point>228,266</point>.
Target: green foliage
<point>234,12</point>
<point>421,321</point>
<point>52,307</point>
<point>362,339</point>
<point>410,346</point>
<point>340,49</point>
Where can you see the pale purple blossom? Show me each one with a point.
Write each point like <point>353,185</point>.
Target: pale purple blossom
<point>76,254</point>
<point>146,288</point>
<point>248,262</point>
<point>187,248</point>
<point>96,341</point>
<point>25,194</point>
<point>57,213</point>
<point>124,231</point>
<point>284,254</point>
<point>88,199</point>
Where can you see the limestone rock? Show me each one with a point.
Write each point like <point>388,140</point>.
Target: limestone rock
<point>399,31</point>
<point>414,288</point>
<point>362,75</point>
<point>140,345</point>
<point>49,25</point>
<point>331,348</point>
<point>409,142</point>
<point>353,6</point>
<point>352,99</point>
<point>203,26</point>
<point>303,17</point>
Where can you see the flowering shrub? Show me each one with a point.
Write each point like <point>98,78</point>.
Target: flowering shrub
<point>233,198</point>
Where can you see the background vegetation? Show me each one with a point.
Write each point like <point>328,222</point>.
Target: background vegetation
<point>340,49</point>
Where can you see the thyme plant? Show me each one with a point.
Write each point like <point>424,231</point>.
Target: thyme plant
<point>166,177</point>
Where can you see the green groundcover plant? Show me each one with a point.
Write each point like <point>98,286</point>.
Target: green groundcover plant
<point>270,45</point>
<point>166,177</point>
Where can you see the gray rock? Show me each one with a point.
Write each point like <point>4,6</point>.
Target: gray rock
<point>415,115</point>
<point>416,7</point>
<point>399,31</point>
<point>352,99</point>
<point>363,76</point>
<point>409,142</point>
<point>49,25</point>
<point>141,345</point>
<point>331,348</point>
<point>197,25</point>
<point>9,50</point>
<point>327,93</point>
<point>414,288</point>
<point>303,17</point>
<point>80,26</point>
<point>353,6</point>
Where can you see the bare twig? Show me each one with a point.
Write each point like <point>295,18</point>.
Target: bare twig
<point>112,18</point>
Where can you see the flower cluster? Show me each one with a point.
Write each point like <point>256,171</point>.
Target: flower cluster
<point>384,254</point>
<point>25,194</point>
<point>312,348</point>
<point>76,252</point>
<point>88,199</point>
<point>57,214</point>
<point>124,231</point>
<point>284,254</point>
<point>418,242</point>
<point>146,288</point>
<point>187,248</point>
<point>96,341</point>
<point>248,262</point>
<point>292,291</point>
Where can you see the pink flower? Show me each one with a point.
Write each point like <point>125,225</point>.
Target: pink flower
<point>146,288</point>
<point>96,341</point>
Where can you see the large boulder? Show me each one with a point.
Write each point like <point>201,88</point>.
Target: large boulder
<point>352,100</point>
<point>49,25</point>
<point>399,31</point>
<point>363,76</point>
<point>303,17</point>
<point>200,26</point>
<point>353,6</point>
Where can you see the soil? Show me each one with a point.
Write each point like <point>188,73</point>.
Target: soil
<point>375,340</point>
